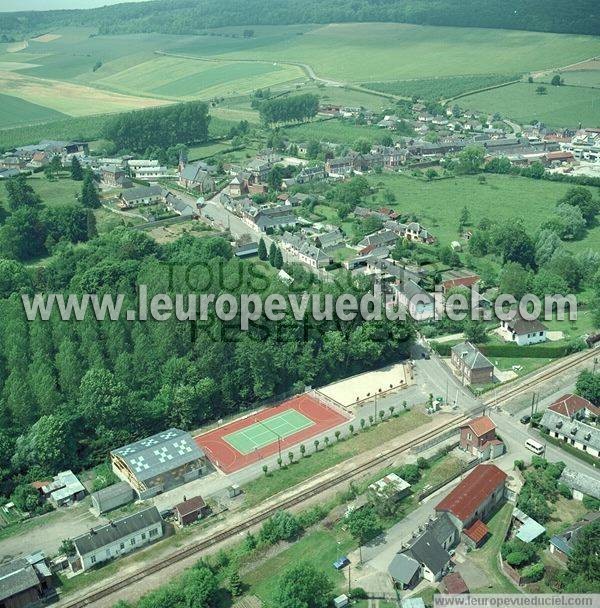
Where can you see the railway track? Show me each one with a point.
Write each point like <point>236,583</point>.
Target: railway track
<point>292,501</point>
<point>540,377</point>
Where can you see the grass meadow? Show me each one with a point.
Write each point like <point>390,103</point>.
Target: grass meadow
<point>565,106</point>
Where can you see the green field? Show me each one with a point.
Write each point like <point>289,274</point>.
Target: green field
<point>56,73</point>
<point>363,52</point>
<point>334,130</point>
<point>438,203</point>
<point>15,112</point>
<point>560,107</point>
<point>268,431</point>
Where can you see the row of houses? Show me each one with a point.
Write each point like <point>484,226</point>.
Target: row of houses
<point>305,250</point>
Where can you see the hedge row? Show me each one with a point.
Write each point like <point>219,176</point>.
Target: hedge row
<point>513,350</point>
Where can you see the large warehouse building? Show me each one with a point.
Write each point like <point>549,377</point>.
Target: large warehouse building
<point>158,463</point>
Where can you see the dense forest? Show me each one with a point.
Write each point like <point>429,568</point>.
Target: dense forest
<point>71,391</point>
<point>193,16</point>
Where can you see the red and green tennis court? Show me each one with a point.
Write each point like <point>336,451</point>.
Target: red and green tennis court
<point>244,441</point>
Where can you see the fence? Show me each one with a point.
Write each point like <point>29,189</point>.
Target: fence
<point>422,447</point>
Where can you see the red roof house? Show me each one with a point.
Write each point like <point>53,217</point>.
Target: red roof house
<point>574,406</point>
<point>476,533</point>
<point>459,282</point>
<point>189,510</point>
<point>478,437</point>
<point>476,496</point>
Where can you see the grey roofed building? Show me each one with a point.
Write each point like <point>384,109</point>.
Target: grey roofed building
<point>116,495</point>
<point>64,489</point>
<point>574,432</point>
<point>24,581</point>
<point>580,482</point>
<point>471,356</point>
<point>411,290</point>
<point>429,553</point>
<point>159,462</point>
<point>116,538</point>
<point>403,568</point>
<point>444,531</point>
<point>565,541</point>
<point>130,195</point>
<point>383,237</point>
<point>273,217</point>
<point>116,530</point>
<point>330,239</point>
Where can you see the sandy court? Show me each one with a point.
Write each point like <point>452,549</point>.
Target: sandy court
<point>365,386</point>
<point>17,46</point>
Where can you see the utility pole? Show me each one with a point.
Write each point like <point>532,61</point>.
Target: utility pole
<point>447,381</point>
<point>532,404</point>
<point>349,584</point>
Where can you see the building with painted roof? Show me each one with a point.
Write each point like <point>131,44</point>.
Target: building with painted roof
<point>158,463</point>
<point>116,538</point>
<point>476,497</point>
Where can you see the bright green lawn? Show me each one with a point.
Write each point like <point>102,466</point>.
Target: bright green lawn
<point>56,192</point>
<point>560,107</point>
<point>438,204</point>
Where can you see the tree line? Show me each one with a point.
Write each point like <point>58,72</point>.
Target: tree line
<point>296,108</point>
<point>192,17</point>
<point>159,127</point>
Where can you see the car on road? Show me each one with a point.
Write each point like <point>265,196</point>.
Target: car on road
<point>525,419</point>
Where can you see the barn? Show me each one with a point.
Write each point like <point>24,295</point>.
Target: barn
<point>159,463</point>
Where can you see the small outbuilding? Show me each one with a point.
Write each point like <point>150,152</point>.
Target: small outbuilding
<point>112,497</point>
<point>190,510</point>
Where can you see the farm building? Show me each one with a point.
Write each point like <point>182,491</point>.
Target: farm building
<point>158,463</point>
<point>476,497</point>
<point>114,496</point>
<point>116,538</point>
<point>454,584</point>
<point>471,365</point>
<point>25,581</point>
<point>141,195</point>
<point>64,489</point>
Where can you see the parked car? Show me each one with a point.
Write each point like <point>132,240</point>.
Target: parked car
<point>525,419</point>
<point>341,563</point>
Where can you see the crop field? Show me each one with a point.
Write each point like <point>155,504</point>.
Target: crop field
<point>333,130</point>
<point>438,203</point>
<point>16,111</point>
<point>384,51</point>
<point>76,72</point>
<point>561,106</point>
<point>441,88</point>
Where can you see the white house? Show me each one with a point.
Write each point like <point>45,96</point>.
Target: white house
<point>523,332</point>
<point>116,538</point>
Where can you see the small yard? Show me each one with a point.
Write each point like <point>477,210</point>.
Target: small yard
<point>486,558</point>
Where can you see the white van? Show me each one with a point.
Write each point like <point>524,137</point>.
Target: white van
<point>534,446</point>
